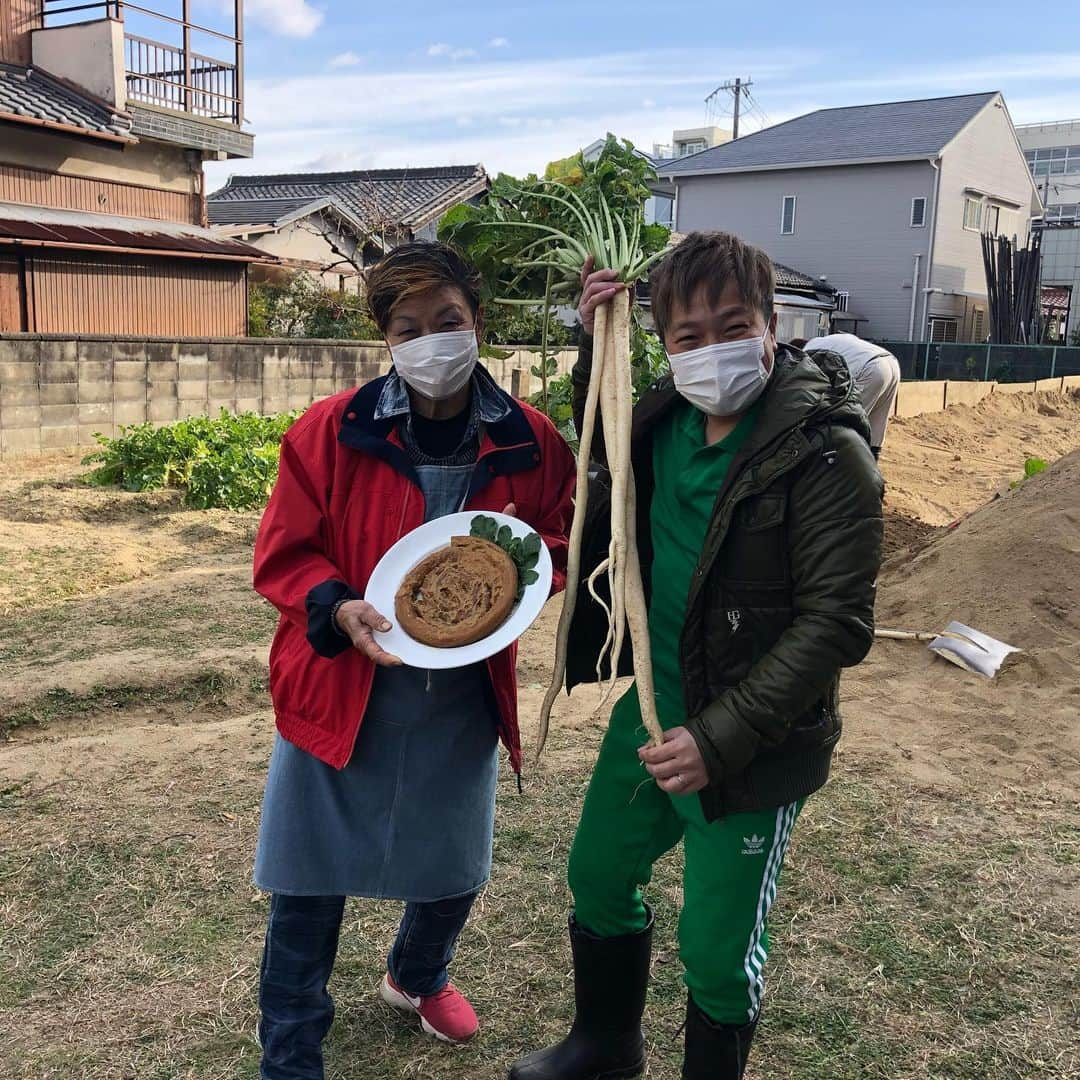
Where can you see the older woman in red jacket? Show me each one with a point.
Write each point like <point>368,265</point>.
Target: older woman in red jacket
<point>382,777</point>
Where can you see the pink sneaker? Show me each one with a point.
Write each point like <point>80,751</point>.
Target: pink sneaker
<point>447,1015</point>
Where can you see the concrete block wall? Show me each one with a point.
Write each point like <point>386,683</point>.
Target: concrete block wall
<point>59,392</point>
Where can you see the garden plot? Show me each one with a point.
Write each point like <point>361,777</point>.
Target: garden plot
<point>927,924</point>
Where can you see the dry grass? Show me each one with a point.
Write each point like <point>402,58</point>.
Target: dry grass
<point>921,931</point>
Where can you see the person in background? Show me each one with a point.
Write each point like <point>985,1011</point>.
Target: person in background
<point>382,777</point>
<point>876,374</point>
<point>759,526</point>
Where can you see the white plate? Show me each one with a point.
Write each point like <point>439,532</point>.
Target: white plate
<point>408,551</point>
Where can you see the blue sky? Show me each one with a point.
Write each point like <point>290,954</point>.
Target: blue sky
<point>335,85</point>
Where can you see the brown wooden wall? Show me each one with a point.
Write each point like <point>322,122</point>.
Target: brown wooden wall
<point>39,188</point>
<point>17,19</point>
<point>12,311</point>
<point>102,294</point>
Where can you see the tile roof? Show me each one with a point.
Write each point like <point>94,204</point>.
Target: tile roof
<point>33,97</point>
<point>257,211</point>
<point>887,132</point>
<point>78,228</point>
<point>1055,297</point>
<point>786,278</point>
<point>373,197</point>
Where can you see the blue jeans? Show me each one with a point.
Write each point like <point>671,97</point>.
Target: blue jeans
<point>298,957</point>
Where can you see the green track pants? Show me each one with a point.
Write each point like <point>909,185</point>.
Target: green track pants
<point>732,868</point>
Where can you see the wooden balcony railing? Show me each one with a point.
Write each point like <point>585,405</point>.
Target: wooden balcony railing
<point>172,75</point>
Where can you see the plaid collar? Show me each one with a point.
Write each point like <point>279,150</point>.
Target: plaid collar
<point>488,400</point>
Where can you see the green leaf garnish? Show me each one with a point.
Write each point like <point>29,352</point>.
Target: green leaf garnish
<point>525,551</point>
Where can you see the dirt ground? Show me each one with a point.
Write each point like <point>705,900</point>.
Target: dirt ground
<point>133,705</point>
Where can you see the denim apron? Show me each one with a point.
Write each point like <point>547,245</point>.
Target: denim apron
<point>411,817</point>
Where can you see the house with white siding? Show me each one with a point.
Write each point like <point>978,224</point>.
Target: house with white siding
<point>887,203</point>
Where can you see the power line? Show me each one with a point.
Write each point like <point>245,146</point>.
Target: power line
<point>738,89</point>
<point>758,109</point>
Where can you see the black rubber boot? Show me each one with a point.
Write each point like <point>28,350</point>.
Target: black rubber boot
<point>714,1051</point>
<point>611,977</point>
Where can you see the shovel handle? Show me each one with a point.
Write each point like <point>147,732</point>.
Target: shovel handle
<point>904,635</point>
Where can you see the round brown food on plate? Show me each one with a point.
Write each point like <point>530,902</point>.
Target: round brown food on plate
<point>457,595</point>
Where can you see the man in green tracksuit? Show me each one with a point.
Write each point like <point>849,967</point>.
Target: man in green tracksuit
<point>759,526</point>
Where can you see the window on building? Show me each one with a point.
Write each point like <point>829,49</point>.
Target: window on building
<point>660,210</point>
<point>972,214</point>
<point>694,146</point>
<point>977,317</point>
<point>942,329</point>
<point>918,212</point>
<point>1054,160</point>
<point>842,301</point>
<point>787,215</point>
<point>1069,212</point>
<point>992,220</point>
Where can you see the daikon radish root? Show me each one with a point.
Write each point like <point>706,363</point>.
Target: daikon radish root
<point>637,616</point>
<point>610,387</point>
<point>577,529</point>
<point>616,403</point>
<point>606,241</point>
<point>609,411</point>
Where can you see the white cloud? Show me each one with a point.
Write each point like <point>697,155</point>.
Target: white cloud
<point>490,112</point>
<point>442,49</point>
<point>499,43</point>
<point>292,18</point>
<point>978,74</point>
<point>338,161</point>
<point>343,60</point>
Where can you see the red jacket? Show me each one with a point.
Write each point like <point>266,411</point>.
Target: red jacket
<point>346,491</point>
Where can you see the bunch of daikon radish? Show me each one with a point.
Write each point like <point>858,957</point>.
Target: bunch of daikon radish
<point>611,245</point>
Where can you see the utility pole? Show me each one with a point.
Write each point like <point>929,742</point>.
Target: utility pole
<point>738,88</point>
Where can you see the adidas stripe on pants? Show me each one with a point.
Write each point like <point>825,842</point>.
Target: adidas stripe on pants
<point>730,880</point>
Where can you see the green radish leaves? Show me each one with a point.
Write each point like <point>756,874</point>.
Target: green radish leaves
<point>524,550</point>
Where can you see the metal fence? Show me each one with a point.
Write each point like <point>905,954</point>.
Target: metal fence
<point>975,361</point>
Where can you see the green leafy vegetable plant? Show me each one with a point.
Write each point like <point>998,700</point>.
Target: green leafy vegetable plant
<point>229,461</point>
<point>524,550</point>
<point>1032,467</point>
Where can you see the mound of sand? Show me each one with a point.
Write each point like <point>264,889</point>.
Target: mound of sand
<point>904,533</point>
<point>1011,569</point>
<point>941,466</point>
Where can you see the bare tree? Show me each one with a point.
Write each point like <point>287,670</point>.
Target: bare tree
<point>375,222</point>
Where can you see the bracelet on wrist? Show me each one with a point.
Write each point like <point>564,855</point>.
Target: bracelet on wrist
<point>334,614</point>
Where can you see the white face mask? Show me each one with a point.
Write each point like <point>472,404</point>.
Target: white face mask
<point>723,379</point>
<point>437,366</point>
